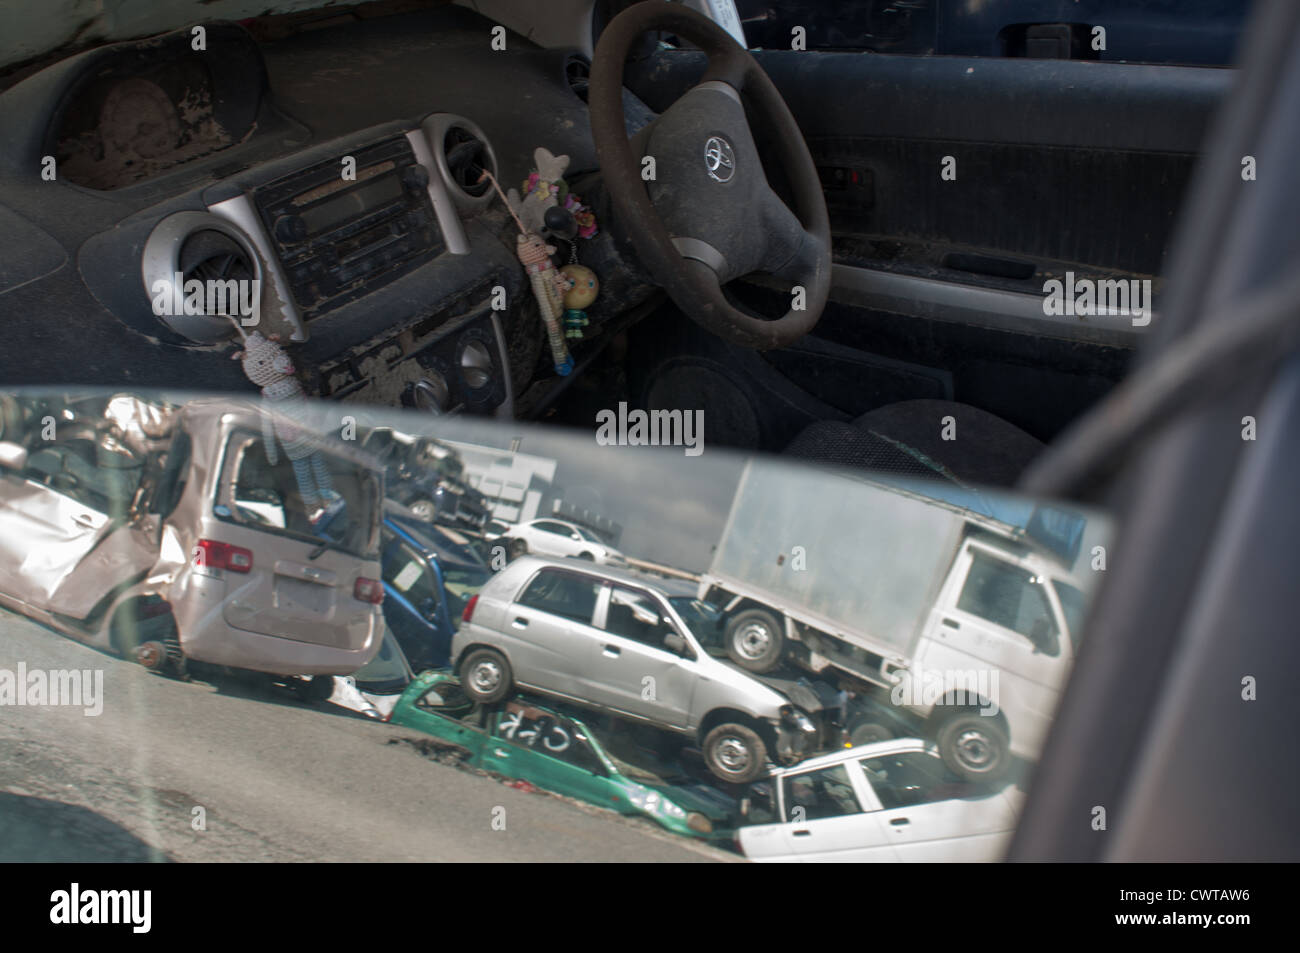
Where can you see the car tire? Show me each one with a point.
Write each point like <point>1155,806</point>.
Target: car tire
<point>735,753</point>
<point>316,689</point>
<point>587,556</point>
<point>152,655</point>
<point>423,509</point>
<point>974,747</point>
<point>516,548</point>
<point>755,641</point>
<point>865,730</point>
<point>485,676</point>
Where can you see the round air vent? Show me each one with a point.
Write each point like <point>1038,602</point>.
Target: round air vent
<point>467,159</point>
<point>461,153</point>
<point>212,255</point>
<point>577,73</point>
<point>200,271</point>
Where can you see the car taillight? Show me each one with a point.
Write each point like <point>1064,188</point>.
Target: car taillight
<point>368,590</point>
<point>216,555</point>
<point>468,614</point>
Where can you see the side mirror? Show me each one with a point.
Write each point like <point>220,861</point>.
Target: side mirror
<point>675,643</point>
<point>12,456</point>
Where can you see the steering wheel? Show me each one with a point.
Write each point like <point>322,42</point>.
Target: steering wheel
<point>709,215</point>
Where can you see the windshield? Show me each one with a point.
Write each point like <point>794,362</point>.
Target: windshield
<point>703,619</point>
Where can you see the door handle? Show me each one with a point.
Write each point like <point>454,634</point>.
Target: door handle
<point>500,753</point>
<point>803,833</point>
<point>613,651</point>
<point>84,521</point>
<point>899,821</point>
<point>952,623</point>
<point>521,623</point>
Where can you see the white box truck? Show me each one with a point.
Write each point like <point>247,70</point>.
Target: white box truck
<point>946,611</point>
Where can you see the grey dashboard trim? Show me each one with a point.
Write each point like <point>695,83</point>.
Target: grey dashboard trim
<point>967,304</point>
<point>239,212</point>
<point>444,209</point>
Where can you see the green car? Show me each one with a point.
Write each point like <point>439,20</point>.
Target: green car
<point>559,753</point>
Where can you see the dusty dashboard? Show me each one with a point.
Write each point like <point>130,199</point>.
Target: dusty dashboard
<point>199,205</point>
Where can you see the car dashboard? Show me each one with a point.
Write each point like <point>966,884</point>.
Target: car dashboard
<point>335,170</point>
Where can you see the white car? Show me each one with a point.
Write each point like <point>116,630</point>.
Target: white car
<point>891,801</point>
<point>552,537</point>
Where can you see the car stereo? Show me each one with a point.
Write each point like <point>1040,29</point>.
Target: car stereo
<point>339,237</point>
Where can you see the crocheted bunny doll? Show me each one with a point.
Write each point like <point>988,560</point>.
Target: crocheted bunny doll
<point>268,366</point>
<point>546,189</point>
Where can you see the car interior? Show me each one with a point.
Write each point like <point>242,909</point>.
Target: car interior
<point>918,229</point>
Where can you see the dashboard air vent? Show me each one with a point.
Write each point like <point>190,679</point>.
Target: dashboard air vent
<point>467,157</point>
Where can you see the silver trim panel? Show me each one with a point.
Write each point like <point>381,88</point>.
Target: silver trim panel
<point>453,232</point>
<point>278,304</point>
<point>966,304</point>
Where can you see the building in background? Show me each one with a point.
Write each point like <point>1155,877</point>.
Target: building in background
<point>513,483</point>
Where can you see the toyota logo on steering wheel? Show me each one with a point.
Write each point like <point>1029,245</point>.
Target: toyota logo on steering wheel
<point>719,159</point>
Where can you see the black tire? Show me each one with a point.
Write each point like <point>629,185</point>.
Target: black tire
<point>516,548</point>
<point>587,556</point>
<point>756,640</point>
<point>974,747</point>
<point>865,730</point>
<point>735,753</point>
<point>316,689</point>
<point>485,676</point>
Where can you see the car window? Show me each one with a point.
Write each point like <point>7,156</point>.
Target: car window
<point>1075,606</point>
<point>1159,32</point>
<point>565,594</point>
<point>409,575</point>
<point>548,527</point>
<point>815,795</point>
<point>446,698</point>
<point>621,618</point>
<point>551,734</point>
<point>1006,595</point>
<point>274,497</point>
<point>913,777</point>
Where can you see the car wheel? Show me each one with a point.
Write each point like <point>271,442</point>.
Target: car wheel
<point>152,655</point>
<point>735,753</point>
<point>755,640</point>
<point>317,688</point>
<point>587,556</point>
<point>974,747</point>
<point>516,548</point>
<point>485,675</point>
<point>865,730</point>
<point>424,510</point>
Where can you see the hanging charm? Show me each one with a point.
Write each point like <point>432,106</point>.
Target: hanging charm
<point>583,287</point>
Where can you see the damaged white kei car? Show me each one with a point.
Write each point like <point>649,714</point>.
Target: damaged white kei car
<point>172,533</point>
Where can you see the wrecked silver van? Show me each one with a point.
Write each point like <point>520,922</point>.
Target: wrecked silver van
<point>177,533</point>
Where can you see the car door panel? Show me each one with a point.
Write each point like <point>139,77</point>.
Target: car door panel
<point>938,282</point>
